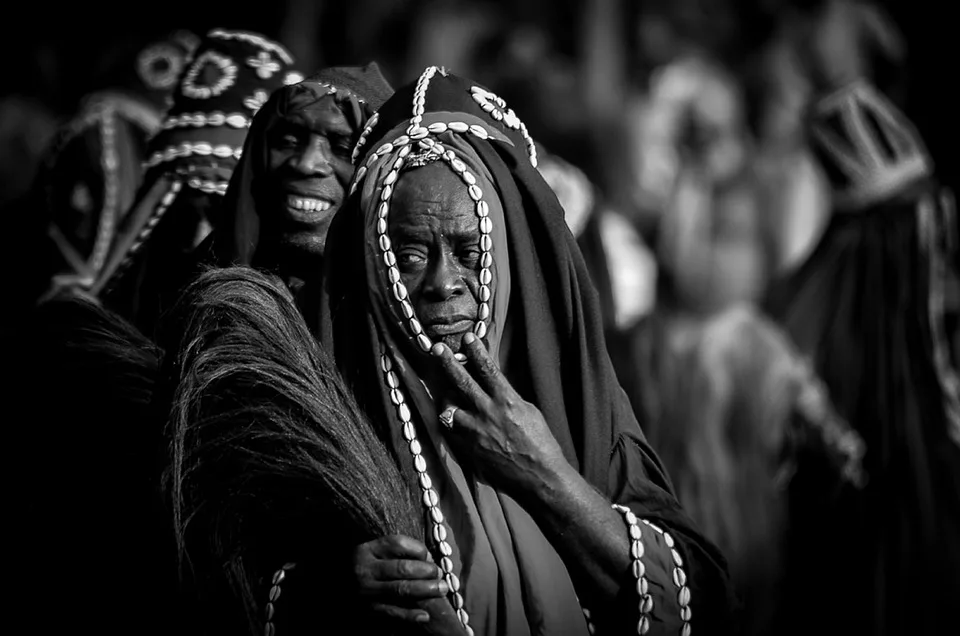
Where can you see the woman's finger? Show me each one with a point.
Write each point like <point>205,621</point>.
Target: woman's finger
<point>486,371</point>
<point>406,590</point>
<point>469,393</point>
<point>398,546</point>
<point>401,613</point>
<point>404,569</point>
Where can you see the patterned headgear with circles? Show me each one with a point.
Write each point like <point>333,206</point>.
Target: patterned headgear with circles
<point>229,78</point>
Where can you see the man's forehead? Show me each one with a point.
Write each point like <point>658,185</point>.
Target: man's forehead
<point>321,116</point>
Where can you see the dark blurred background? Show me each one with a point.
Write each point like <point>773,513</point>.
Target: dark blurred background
<point>58,51</point>
<point>586,76</point>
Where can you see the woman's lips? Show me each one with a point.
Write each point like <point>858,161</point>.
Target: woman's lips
<point>449,329</point>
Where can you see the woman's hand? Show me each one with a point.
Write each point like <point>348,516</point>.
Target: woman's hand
<point>507,437</point>
<point>398,577</point>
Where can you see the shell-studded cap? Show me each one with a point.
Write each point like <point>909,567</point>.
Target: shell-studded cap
<point>488,115</point>
<point>224,85</point>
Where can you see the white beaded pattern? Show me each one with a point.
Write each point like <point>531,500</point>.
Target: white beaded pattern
<point>162,76</point>
<point>404,143</point>
<point>429,496</point>
<point>145,232</point>
<point>639,569</point>
<point>415,131</point>
<point>362,139</point>
<point>212,119</point>
<point>186,149</point>
<point>110,163</point>
<point>269,628</point>
<point>263,64</point>
<point>679,579</point>
<point>207,186</point>
<point>254,39</point>
<point>497,108</point>
<point>227,79</point>
<point>256,101</point>
<point>590,626</point>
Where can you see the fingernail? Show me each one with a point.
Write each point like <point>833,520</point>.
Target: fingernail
<point>423,617</point>
<point>437,349</point>
<point>443,587</point>
<point>469,337</point>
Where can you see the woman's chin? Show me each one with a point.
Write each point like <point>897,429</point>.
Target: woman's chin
<point>452,340</point>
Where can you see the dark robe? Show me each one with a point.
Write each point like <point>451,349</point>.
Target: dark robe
<point>866,308</point>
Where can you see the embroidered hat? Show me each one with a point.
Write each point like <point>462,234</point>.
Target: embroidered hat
<point>224,85</point>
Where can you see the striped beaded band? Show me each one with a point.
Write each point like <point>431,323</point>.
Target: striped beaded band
<point>269,628</point>
<point>429,496</point>
<point>362,139</point>
<point>142,236</point>
<point>639,570</point>
<point>110,163</point>
<point>679,579</point>
<point>187,149</point>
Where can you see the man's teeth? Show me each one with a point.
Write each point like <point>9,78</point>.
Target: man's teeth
<point>308,204</point>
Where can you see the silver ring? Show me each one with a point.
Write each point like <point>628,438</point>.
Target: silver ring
<point>446,417</point>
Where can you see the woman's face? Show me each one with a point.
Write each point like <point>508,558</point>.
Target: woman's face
<point>436,237</point>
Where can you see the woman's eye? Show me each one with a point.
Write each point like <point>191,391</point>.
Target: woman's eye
<point>410,257</point>
<point>289,140</point>
<point>470,254</point>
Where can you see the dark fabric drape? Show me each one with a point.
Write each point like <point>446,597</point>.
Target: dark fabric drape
<point>860,308</point>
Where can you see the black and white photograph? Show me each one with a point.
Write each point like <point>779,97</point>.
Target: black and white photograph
<point>482,317</point>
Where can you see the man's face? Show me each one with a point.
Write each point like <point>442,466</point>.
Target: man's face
<point>436,237</point>
<point>309,170</point>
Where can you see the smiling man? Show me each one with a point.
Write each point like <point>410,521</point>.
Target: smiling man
<point>294,172</point>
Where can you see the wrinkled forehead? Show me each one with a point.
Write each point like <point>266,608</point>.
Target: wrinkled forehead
<point>431,187</point>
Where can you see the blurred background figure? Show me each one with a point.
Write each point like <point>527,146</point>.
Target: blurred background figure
<point>92,169</point>
<point>188,164</point>
<point>868,307</point>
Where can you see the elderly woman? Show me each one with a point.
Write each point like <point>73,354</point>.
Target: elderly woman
<point>459,308</point>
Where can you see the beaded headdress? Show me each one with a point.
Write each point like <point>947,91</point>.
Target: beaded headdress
<point>224,85</point>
